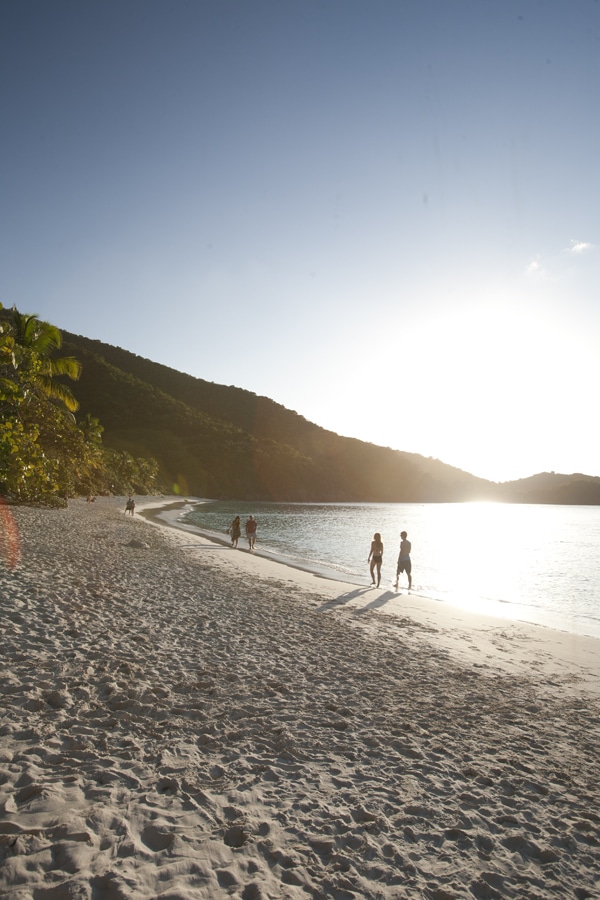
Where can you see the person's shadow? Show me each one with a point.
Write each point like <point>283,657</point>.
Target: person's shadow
<point>343,599</point>
<point>377,602</point>
<point>358,594</point>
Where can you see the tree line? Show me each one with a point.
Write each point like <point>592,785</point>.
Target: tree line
<point>47,454</point>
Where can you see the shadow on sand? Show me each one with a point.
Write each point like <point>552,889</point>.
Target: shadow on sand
<point>213,546</point>
<point>344,598</point>
<point>359,594</point>
<point>378,602</point>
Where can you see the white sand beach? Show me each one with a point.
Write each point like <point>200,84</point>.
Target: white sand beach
<point>181,720</point>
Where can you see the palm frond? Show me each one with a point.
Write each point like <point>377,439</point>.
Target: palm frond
<point>54,390</point>
<point>66,365</point>
<point>30,331</point>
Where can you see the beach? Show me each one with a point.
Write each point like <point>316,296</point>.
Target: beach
<point>183,720</point>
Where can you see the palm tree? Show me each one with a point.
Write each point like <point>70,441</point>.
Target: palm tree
<point>92,429</point>
<point>42,339</point>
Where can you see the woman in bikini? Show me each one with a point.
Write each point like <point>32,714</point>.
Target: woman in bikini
<point>376,558</point>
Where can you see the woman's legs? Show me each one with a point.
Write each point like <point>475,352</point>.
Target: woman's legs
<point>372,569</point>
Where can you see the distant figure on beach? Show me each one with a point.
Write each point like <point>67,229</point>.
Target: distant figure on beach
<point>235,529</point>
<point>251,526</point>
<point>130,506</point>
<point>404,563</point>
<point>376,558</point>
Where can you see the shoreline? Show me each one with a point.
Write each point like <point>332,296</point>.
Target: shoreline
<point>181,721</point>
<point>476,639</point>
<point>562,604</point>
<point>168,517</point>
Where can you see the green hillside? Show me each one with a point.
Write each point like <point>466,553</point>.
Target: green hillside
<point>218,441</point>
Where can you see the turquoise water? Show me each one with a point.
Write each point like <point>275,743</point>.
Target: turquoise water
<point>527,562</point>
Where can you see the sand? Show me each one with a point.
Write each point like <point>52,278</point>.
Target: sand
<point>183,720</point>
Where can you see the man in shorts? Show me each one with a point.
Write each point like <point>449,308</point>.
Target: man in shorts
<point>251,532</point>
<point>404,564</point>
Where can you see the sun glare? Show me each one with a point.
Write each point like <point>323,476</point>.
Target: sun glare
<point>481,534</point>
<point>483,392</point>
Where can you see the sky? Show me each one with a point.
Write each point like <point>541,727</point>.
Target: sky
<point>382,214</point>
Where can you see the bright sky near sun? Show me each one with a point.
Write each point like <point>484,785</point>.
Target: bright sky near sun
<point>382,214</point>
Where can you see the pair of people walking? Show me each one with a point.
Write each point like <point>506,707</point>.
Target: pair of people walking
<point>235,530</point>
<point>375,559</point>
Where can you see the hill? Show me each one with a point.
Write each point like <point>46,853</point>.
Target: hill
<point>551,487</point>
<point>222,441</point>
<point>217,441</point>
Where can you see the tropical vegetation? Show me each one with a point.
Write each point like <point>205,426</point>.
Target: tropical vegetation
<point>46,454</point>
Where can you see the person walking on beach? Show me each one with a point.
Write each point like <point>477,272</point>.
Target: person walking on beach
<point>235,529</point>
<point>251,526</point>
<point>130,506</point>
<point>404,563</point>
<point>376,558</point>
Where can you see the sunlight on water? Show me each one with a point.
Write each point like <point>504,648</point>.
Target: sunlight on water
<point>533,563</point>
<point>540,558</point>
<point>485,551</point>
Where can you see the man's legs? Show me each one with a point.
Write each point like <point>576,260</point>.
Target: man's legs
<point>403,566</point>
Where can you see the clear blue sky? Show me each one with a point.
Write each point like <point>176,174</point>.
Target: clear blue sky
<point>383,215</point>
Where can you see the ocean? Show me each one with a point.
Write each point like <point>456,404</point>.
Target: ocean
<point>532,563</point>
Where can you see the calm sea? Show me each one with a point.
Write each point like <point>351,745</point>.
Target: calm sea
<point>536,564</point>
